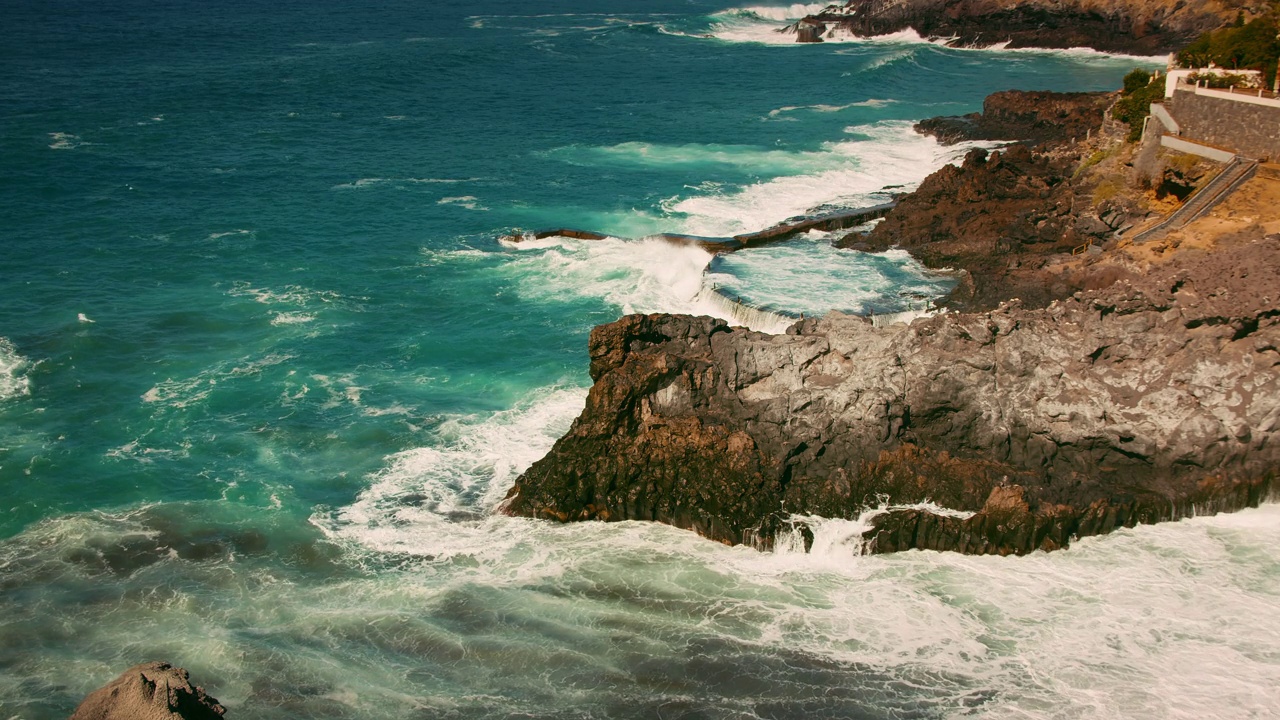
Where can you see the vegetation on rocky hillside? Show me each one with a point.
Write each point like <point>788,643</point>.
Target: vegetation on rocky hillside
<point>1140,90</point>
<point>1252,45</point>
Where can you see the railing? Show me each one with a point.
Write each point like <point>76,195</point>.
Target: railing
<point>1235,174</point>
<point>1254,97</point>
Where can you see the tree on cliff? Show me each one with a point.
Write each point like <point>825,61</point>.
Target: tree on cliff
<point>1253,45</point>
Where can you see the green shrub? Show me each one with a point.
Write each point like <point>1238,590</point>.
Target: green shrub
<point>1219,81</point>
<point>1136,80</point>
<point>1135,105</point>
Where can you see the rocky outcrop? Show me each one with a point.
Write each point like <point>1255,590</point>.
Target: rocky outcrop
<point>1036,118</point>
<point>1145,27</point>
<point>1008,218</point>
<point>809,31</point>
<point>1000,217</point>
<point>1153,398</point>
<point>150,691</point>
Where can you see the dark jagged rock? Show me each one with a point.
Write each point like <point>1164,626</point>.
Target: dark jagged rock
<point>809,32</point>
<point>1007,218</point>
<point>1144,27</point>
<point>998,216</point>
<point>150,691</point>
<point>1037,118</point>
<point>1153,398</point>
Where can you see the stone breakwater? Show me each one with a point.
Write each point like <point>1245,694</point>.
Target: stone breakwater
<point>1154,398</point>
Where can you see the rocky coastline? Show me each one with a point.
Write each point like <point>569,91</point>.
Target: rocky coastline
<point>1061,397</point>
<point>1142,27</point>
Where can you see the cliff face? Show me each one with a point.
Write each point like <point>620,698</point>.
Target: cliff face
<point>1148,400</point>
<point>1130,26</point>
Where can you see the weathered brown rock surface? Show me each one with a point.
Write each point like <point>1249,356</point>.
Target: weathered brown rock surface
<point>1144,27</point>
<point>1033,117</point>
<point>1151,399</point>
<point>1007,218</point>
<point>150,691</point>
<point>997,216</point>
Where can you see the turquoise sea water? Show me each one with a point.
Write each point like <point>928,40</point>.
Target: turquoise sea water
<point>266,371</point>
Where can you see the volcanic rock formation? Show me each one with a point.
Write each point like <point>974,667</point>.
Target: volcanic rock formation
<point>1037,118</point>
<point>1006,217</point>
<point>1131,26</point>
<point>1154,398</point>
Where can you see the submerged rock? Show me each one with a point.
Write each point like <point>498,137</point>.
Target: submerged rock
<point>150,691</point>
<point>1154,398</point>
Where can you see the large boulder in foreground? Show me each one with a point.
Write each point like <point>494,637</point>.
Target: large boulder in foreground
<point>1155,398</point>
<point>150,691</point>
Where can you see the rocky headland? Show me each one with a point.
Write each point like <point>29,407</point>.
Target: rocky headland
<point>1065,395</point>
<point>1145,27</point>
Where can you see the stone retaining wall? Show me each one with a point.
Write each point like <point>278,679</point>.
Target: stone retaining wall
<point>1252,130</point>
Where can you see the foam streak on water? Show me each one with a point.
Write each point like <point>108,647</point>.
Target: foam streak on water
<point>13,380</point>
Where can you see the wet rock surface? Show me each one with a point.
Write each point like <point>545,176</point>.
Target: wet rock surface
<point>150,691</point>
<point>1153,398</point>
<point>999,217</point>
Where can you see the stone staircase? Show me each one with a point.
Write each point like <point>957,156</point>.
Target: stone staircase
<point>1236,173</point>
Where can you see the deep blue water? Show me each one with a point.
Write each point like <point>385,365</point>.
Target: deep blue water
<point>266,368</point>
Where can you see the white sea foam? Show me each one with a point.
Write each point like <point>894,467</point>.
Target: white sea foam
<point>230,234</point>
<point>294,295</point>
<point>438,500</point>
<point>1084,53</point>
<point>653,276</point>
<point>469,202</point>
<point>291,318</point>
<point>760,24</point>
<point>636,276</point>
<point>81,317</point>
<point>764,160</point>
<point>1143,623</point>
<point>400,182</point>
<point>182,393</point>
<point>891,154</point>
<point>778,13</point>
<point>14,382</point>
<point>885,153</point>
<point>1169,621</point>
<point>807,275</point>
<point>65,141</point>
<point>873,103</point>
<point>763,26</point>
<point>136,451</point>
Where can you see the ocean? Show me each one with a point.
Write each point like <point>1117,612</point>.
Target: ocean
<point>266,370</point>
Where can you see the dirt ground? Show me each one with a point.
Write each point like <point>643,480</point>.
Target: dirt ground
<point>1254,209</point>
